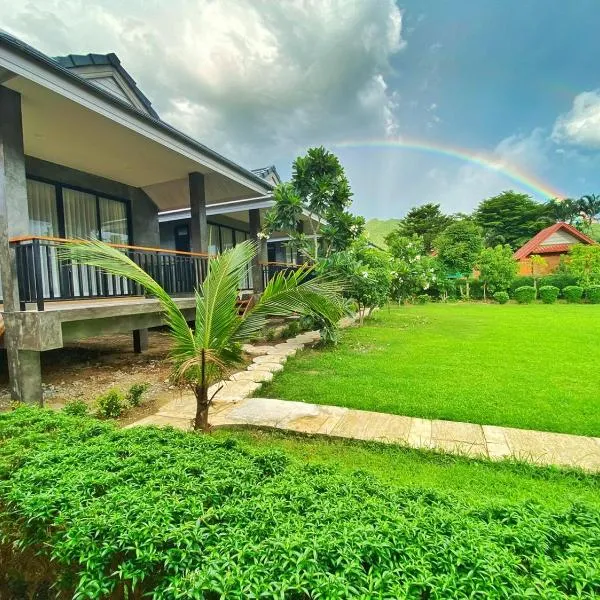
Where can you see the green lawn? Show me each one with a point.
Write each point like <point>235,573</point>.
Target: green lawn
<point>531,366</point>
<point>474,481</point>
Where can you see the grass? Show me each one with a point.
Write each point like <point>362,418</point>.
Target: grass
<point>530,366</point>
<point>474,481</point>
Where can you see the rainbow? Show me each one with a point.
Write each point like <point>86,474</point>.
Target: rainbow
<point>487,161</point>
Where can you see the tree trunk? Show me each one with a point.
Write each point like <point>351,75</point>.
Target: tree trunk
<point>202,400</point>
<point>202,406</point>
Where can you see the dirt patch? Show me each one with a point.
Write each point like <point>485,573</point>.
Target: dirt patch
<point>85,369</point>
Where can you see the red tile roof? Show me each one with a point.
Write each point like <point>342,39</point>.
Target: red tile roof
<point>534,245</point>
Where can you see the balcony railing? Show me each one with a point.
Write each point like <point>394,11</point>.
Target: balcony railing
<point>42,276</point>
<point>270,269</point>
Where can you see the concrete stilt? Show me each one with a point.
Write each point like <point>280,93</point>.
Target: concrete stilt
<point>140,340</point>
<point>258,284</point>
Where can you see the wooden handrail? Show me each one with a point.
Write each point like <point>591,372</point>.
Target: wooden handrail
<point>43,238</point>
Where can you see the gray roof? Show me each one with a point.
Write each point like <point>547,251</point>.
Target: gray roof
<point>17,45</point>
<point>71,61</point>
<point>264,172</point>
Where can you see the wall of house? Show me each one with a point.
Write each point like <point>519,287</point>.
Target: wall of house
<point>144,213</point>
<point>552,259</point>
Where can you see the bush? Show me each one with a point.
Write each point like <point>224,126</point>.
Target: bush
<point>76,408</point>
<point>520,282</point>
<point>110,405</point>
<point>560,280</point>
<point>135,393</point>
<point>548,294</point>
<point>573,293</point>
<point>501,297</point>
<point>423,299</point>
<point>525,294</point>
<point>188,516</point>
<point>592,293</point>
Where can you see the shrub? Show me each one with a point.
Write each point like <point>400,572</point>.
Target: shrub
<point>187,516</point>
<point>573,293</point>
<point>560,280</point>
<point>423,299</point>
<point>110,405</point>
<point>525,294</point>
<point>522,280</point>
<point>76,408</point>
<point>135,393</point>
<point>548,294</point>
<point>592,293</point>
<point>501,297</point>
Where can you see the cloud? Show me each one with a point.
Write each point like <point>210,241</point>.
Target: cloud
<point>255,79</point>
<point>581,125</point>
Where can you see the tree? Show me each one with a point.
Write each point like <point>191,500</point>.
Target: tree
<point>427,221</point>
<point>202,356</point>
<point>537,265</point>
<point>319,185</point>
<point>497,268</point>
<point>458,248</point>
<point>413,271</point>
<point>589,207</point>
<point>564,210</point>
<point>511,218</point>
<point>583,262</point>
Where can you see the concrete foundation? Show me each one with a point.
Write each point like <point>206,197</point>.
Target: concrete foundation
<point>140,340</point>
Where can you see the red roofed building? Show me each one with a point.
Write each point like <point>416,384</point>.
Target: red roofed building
<point>550,243</point>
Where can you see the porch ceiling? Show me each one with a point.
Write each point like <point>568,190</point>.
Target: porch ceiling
<point>68,121</point>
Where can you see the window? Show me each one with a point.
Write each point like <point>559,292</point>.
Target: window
<point>41,202</point>
<point>113,221</point>
<point>226,238</point>
<point>214,245</point>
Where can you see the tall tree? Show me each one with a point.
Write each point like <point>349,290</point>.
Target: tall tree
<point>458,247</point>
<point>511,218</point>
<point>319,185</point>
<point>201,356</point>
<point>427,221</point>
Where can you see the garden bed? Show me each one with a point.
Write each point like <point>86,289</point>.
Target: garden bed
<point>115,513</point>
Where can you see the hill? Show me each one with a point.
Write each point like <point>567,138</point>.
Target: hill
<point>379,228</point>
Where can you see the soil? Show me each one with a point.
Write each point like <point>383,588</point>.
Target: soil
<point>88,368</point>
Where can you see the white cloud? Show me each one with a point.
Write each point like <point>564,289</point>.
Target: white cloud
<point>255,79</point>
<point>581,125</point>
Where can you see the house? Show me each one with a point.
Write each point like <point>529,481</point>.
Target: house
<point>551,243</point>
<point>84,154</point>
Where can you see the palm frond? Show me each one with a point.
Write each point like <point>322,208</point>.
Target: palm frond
<point>113,261</point>
<point>296,292</point>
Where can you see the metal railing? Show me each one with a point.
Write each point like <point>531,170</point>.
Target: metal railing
<point>42,276</point>
<point>270,269</point>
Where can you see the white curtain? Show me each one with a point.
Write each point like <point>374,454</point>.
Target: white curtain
<point>113,224</point>
<point>81,221</point>
<point>213,240</point>
<point>246,280</point>
<point>43,221</point>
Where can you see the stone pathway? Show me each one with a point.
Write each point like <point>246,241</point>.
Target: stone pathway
<point>233,406</point>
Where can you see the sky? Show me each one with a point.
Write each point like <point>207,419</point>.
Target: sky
<point>422,100</point>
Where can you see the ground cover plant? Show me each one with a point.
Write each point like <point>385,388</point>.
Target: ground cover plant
<point>525,366</point>
<point>123,513</point>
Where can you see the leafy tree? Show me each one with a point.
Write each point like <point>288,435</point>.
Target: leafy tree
<point>202,356</point>
<point>366,273</point>
<point>564,210</point>
<point>458,248</point>
<point>583,262</point>
<point>413,271</point>
<point>537,266</point>
<point>427,221</point>
<point>497,268</point>
<point>319,185</point>
<point>511,218</point>
<point>580,212</point>
<point>589,208</point>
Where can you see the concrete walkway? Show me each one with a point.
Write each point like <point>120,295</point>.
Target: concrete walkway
<point>233,406</point>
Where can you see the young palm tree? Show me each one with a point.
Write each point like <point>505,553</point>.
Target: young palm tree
<point>201,356</point>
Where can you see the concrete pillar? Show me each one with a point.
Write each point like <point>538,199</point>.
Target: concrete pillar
<point>23,366</point>
<point>261,255</point>
<point>198,225</point>
<point>140,340</point>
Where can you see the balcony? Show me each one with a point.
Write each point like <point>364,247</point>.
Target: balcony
<point>43,278</point>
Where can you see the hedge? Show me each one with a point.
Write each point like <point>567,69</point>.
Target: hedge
<point>525,294</point>
<point>501,297</point>
<point>559,280</point>
<point>548,294</point>
<point>573,293</point>
<point>592,293</point>
<point>166,514</point>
